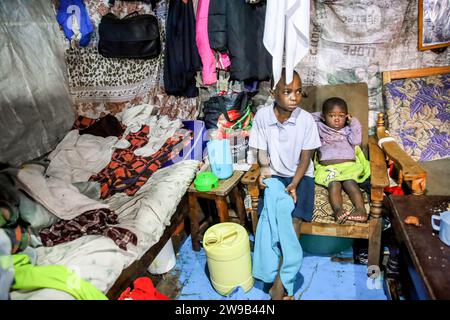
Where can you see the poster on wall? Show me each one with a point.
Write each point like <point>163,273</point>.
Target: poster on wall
<point>356,41</point>
<point>434,24</point>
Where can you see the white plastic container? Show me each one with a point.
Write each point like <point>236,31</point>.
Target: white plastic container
<point>164,261</point>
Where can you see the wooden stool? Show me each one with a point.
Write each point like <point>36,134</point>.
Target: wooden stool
<point>226,187</point>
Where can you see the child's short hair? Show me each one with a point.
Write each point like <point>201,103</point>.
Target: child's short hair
<point>334,101</point>
<point>283,77</point>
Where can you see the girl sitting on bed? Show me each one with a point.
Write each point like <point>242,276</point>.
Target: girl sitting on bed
<point>340,162</point>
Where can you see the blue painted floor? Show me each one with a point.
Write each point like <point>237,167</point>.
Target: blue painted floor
<point>319,279</point>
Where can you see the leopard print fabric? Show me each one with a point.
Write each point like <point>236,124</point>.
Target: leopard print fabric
<point>100,86</point>
<point>94,78</point>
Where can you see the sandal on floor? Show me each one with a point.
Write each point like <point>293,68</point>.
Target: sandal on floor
<point>358,216</point>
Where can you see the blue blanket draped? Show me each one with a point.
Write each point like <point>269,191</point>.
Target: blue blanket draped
<point>275,236</point>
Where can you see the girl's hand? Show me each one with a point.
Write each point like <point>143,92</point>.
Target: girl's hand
<point>291,189</point>
<point>349,118</point>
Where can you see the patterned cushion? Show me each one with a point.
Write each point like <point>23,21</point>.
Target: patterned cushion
<point>322,207</point>
<point>418,113</point>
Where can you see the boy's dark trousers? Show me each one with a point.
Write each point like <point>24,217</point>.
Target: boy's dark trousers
<point>305,197</point>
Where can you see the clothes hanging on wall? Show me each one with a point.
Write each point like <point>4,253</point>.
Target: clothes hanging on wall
<point>237,27</point>
<point>36,109</point>
<point>209,74</point>
<point>286,26</point>
<point>74,20</point>
<point>182,60</point>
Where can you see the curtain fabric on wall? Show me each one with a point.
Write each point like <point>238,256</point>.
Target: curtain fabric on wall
<point>35,105</point>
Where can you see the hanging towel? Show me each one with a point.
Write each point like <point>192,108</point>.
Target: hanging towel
<point>286,20</point>
<point>30,277</point>
<point>275,235</point>
<point>74,20</point>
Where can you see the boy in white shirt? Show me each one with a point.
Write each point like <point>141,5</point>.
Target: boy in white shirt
<point>285,138</point>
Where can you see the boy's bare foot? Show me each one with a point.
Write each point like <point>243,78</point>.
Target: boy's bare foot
<point>341,215</point>
<point>277,292</point>
<point>288,298</point>
<point>358,215</point>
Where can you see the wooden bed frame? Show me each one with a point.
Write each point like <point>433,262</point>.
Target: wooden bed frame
<point>409,171</point>
<point>139,267</point>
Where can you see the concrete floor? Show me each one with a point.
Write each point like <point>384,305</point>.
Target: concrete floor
<point>320,278</point>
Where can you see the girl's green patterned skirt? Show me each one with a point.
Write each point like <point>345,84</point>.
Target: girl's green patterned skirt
<point>359,170</point>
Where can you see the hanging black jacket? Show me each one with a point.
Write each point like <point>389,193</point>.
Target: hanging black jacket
<point>182,60</point>
<point>238,27</point>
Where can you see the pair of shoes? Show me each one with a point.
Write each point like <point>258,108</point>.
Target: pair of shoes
<point>143,289</point>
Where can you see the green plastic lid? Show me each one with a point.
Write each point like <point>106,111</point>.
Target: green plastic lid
<point>206,181</point>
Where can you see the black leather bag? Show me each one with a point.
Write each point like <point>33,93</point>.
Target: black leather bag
<point>134,36</point>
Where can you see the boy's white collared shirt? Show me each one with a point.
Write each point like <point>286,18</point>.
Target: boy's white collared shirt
<point>284,141</point>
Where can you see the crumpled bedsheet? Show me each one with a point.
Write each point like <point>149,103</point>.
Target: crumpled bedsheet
<point>98,259</point>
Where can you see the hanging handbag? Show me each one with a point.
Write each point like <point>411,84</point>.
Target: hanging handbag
<point>152,2</point>
<point>134,36</point>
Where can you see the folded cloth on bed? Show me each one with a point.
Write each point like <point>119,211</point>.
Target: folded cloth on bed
<point>77,157</point>
<point>127,172</point>
<point>61,198</point>
<point>135,117</point>
<point>91,222</point>
<point>106,126</point>
<point>30,277</point>
<point>163,129</point>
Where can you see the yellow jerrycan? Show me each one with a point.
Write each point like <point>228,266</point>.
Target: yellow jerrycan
<point>227,248</point>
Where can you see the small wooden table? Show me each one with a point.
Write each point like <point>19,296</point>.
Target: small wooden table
<point>429,255</point>
<point>226,187</point>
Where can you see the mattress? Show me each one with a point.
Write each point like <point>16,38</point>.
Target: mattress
<point>98,259</point>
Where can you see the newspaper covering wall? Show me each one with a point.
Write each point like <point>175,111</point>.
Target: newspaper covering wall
<point>354,41</point>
